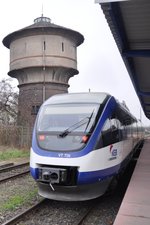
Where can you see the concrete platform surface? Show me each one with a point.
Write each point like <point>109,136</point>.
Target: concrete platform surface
<point>135,207</point>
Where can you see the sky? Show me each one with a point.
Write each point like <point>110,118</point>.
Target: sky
<point>100,65</point>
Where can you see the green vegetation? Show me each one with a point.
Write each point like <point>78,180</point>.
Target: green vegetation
<point>13,153</point>
<point>17,200</point>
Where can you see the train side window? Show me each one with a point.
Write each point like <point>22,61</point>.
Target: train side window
<point>107,133</point>
<point>115,130</point>
<point>129,131</point>
<point>134,130</point>
<point>121,130</point>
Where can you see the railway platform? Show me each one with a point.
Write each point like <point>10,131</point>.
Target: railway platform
<point>135,207</point>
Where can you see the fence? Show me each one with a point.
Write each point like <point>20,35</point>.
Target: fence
<point>15,136</point>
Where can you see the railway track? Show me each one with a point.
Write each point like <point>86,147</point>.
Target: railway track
<point>52,212</point>
<point>27,213</point>
<point>2,166</point>
<point>44,213</point>
<point>18,218</point>
<point>14,171</point>
<point>81,218</point>
<point>12,166</point>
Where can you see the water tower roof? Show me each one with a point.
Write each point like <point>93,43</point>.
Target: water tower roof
<point>43,25</point>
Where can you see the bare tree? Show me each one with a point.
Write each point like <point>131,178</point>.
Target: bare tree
<point>8,102</point>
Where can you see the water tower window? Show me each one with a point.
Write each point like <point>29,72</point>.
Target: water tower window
<point>62,46</point>
<point>44,46</point>
<point>35,109</point>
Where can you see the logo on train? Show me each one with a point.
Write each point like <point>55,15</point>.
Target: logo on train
<point>113,152</point>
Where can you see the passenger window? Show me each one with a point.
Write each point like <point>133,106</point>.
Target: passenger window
<point>115,130</point>
<point>110,132</point>
<point>107,133</point>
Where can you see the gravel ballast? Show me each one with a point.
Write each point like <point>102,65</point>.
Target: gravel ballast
<point>16,196</point>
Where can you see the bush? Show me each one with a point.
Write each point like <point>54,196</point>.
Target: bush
<point>15,136</point>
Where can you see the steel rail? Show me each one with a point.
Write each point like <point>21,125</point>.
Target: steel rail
<point>5,165</point>
<point>11,167</point>
<point>20,216</point>
<point>14,176</point>
<point>81,218</point>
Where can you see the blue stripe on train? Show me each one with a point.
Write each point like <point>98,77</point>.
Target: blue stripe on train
<point>34,172</point>
<point>96,176</point>
<point>109,108</point>
<point>87,177</point>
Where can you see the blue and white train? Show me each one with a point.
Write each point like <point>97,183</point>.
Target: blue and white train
<point>81,142</point>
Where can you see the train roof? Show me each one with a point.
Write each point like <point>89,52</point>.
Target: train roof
<point>124,113</point>
<point>89,97</point>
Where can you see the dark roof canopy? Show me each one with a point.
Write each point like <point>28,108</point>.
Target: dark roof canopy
<point>129,22</point>
<point>43,25</point>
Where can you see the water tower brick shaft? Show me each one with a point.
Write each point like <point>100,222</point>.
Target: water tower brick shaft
<point>43,57</point>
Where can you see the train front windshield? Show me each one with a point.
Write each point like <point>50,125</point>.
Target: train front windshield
<point>65,127</point>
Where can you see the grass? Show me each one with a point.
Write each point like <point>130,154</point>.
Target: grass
<point>17,200</point>
<point>13,153</point>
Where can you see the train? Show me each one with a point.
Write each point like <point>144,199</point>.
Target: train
<point>80,143</point>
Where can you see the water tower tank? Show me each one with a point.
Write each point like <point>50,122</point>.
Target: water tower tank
<point>43,57</point>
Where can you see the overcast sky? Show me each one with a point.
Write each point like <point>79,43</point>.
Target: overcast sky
<point>99,63</point>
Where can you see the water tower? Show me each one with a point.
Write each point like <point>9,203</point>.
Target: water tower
<point>43,57</point>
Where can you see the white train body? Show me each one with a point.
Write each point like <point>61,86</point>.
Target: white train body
<point>80,143</point>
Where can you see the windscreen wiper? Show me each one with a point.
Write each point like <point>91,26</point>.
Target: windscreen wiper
<point>73,127</point>
<point>90,117</point>
<point>76,125</point>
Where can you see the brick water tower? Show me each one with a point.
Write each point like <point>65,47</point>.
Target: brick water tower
<point>43,57</point>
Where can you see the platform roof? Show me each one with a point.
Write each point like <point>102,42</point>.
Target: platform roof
<point>129,22</point>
